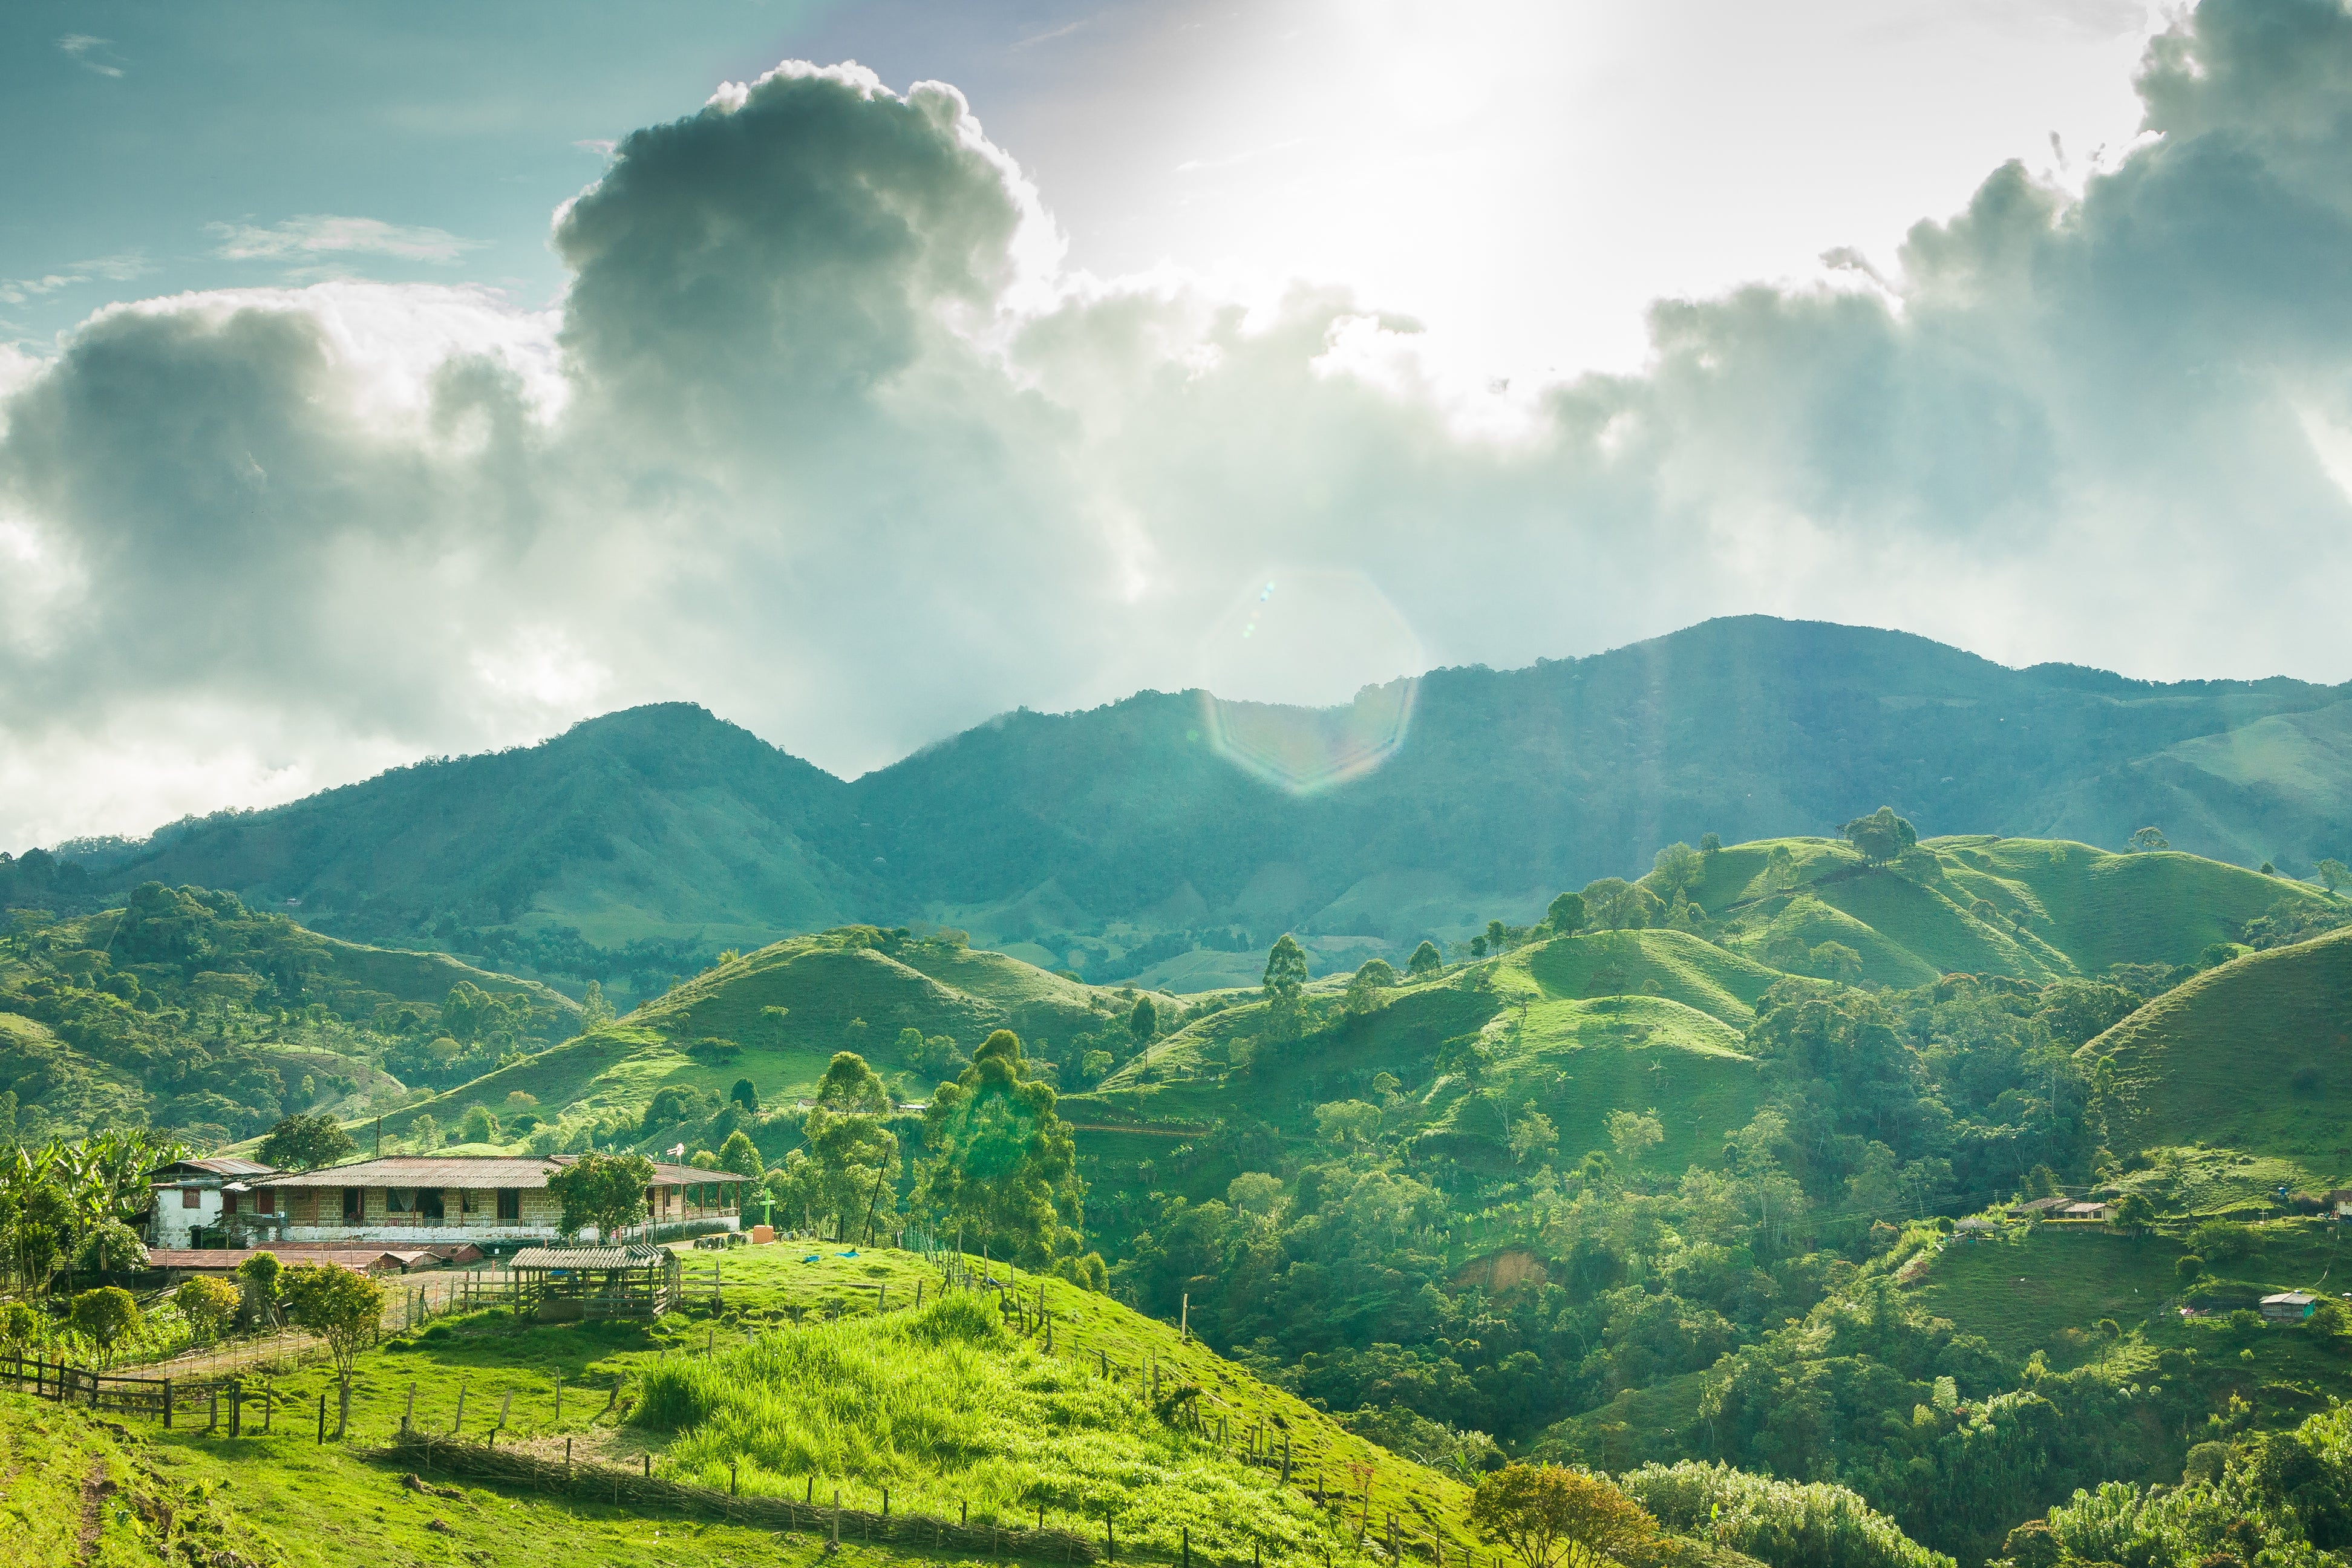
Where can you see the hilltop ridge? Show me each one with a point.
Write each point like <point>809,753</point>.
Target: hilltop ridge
<point>640,840</point>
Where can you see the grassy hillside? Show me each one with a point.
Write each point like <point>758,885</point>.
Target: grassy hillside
<point>954,1407</point>
<point>84,1491</point>
<point>2253,1055</point>
<point>2031,909</point>
<point>854,989</point>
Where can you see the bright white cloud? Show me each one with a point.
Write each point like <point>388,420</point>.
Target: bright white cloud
<point>827,436</point>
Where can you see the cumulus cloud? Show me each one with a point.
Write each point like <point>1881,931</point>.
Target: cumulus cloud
<point>314,235</point>
<point>824,435</point>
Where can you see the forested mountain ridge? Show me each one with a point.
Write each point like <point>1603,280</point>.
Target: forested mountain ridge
<point>1119,840</point>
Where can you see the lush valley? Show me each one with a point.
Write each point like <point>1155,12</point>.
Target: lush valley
<point>1666,1178</point>
<point>1126,842</point>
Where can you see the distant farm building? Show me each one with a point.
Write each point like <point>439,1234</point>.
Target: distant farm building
<point>189,1196</point>
<point>423,1202</point>
<point>2289,1306</point>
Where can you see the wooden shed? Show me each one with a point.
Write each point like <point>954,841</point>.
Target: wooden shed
<point>566,1284</point>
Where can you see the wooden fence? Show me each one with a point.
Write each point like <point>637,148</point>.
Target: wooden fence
<point>221,1401</point>
<point>591,1482</point>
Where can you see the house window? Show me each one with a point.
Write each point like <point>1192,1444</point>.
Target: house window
<point>354,1205</point>
<point>509,1203</point>
<point>429,1205</point>
<point>400,1200</point>
<point>191,1198</point>
<point>265,1202</point>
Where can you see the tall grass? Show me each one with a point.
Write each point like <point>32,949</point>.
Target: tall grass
<point>945,1407</point>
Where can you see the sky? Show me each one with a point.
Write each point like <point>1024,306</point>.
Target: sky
<point>380,382</point>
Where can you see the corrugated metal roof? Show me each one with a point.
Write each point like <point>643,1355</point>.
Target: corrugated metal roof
<point>424,1171</point>
<point>216,1165</point>
<point>469,1170</point>
<point>634,1255</point>
<point>687,1175</point>
<point>361,1260</point>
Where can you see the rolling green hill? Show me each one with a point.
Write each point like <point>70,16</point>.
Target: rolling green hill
<point>2253,1054</point>
<point>2032,909</point>
<point>638,845</point>
<point>852,989</point>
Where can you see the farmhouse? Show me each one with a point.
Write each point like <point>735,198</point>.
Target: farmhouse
<point>189,1195</point>
<point>408,1202</point>
<point>2084,1211</point>
<point>2288,1307</point>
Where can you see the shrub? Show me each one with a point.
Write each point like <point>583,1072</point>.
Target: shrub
<point>1785,1524</point>
<point>208,1305</point>
<point>106,1315</point>
<point>2189,1266</point>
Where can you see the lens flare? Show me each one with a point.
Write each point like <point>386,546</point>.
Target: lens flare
<point>1279,663</point>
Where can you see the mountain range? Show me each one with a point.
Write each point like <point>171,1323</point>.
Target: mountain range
<point>1121,839</point>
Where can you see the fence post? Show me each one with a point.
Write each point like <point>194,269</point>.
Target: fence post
<point>559,1403</point>
<point>455,1426</point>
<point>167,1405</point>
<point>322,1420</point>
<point>268,1404</point>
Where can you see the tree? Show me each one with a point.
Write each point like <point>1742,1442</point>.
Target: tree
<point>1677,868</point>
<point>1254,1192</point>
<point>1348,1121</point>
<point>1532,1134</point>
<point>1708,843</point>
<point>478,1125</point>
<point>1365,986</point>
<point>1835,961</point>
<point>850,1086</point>
<point>748,1097</point>
<point>1565,914</point>
<point>1425,961</point>
<point>2331,874</point>
<point>262,1273</point>
<point>1285,978</point>
<point>1143,1021</point>
<point>1003,1166</point>
<point>2133,1213</point>
<point>1611,903</point>
<point>740,1155</point>
<point>105,1316</point>
<point>1545,1514</point>
<point>18,1324</point>
<point>342,1308</point>
<point>109,1247</point>
<point>305,1141</point>
<point>1880,836</point>
<point>594,1011</point>
<point>1634,1134</point>
<point>207,1305</point>
<point>2148,838</point>
<point>424,1133</point>
<point>608,1190</point>
<point>1499,937</point>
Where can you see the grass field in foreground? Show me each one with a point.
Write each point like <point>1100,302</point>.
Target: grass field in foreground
<point>330,1505</point>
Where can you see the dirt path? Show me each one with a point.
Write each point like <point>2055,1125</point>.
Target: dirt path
<point>95,1489</point>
